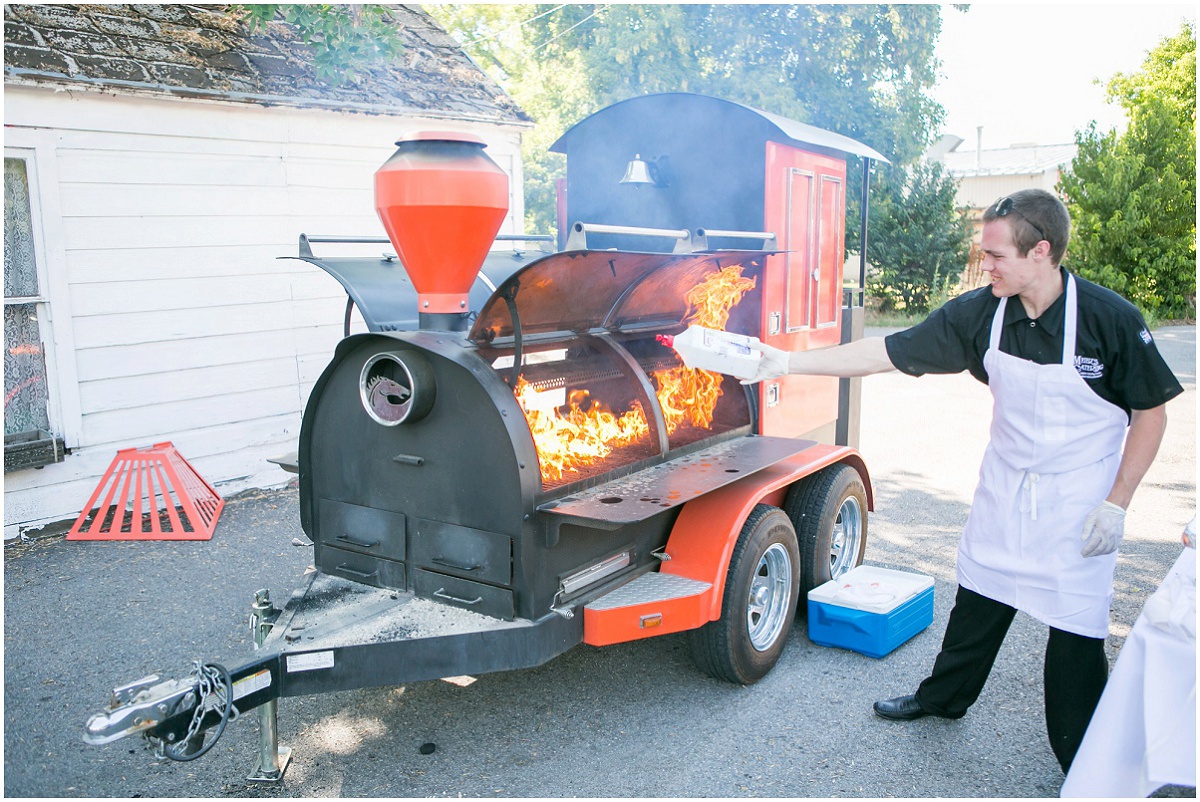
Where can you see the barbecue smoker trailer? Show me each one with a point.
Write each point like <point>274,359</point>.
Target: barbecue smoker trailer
<point>470,506</point>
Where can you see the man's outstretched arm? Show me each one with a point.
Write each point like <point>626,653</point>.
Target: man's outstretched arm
<point>860,358</point>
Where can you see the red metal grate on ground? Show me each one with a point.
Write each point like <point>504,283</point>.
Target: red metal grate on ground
<point>150,494</point>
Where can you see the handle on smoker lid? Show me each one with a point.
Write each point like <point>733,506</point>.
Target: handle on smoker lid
<point>577,240</point>
<point>510,298</point>
<point>770,241</point>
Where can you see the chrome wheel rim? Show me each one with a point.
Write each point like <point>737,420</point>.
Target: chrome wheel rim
<point>847,537</point>
<point>770,597</point>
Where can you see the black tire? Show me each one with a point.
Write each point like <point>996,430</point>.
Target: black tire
<point>759,605</point>
<point>829,511</point>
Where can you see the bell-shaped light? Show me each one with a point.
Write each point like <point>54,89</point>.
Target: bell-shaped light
<point>637,172</point>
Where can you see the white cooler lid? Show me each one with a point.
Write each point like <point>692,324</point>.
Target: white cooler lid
<point>872,589</point>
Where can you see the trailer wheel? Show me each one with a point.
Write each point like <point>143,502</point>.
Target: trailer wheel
<point>759,603</point>
<point>829,510</point>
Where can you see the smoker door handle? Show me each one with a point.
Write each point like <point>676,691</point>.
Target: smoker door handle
<point>456,566</point>
<point>345,569</point>
<point>356,542</point>
<point>441,594</point>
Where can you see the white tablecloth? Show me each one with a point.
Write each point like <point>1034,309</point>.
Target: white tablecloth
<point>1143,733</point>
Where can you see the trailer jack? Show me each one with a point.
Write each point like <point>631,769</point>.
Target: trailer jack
<point>273,759</point>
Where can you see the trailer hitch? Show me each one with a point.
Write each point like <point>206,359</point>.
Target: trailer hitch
<point>140,706</point>
<point>170,714</point>
<point>183,718</point>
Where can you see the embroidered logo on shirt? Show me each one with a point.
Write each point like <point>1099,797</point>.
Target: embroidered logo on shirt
<point>1145,335</point>
<point>1089,369</point>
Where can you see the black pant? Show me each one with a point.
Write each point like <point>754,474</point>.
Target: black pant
<point>1074,675</point>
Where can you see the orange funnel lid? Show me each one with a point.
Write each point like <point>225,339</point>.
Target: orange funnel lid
<point>441,200</point>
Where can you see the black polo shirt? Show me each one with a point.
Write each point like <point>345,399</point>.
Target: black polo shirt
<point>1114,352</point>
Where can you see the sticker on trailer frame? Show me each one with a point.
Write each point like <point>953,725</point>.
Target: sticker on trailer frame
<point>310,661</point>
<point>251,684</point>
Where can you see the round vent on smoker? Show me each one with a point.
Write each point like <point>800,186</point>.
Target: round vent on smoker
<point>396,387</point>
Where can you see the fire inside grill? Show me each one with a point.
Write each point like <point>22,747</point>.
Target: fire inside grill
<point>574,439</point>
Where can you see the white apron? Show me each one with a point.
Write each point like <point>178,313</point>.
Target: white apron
<point>1053,456</point>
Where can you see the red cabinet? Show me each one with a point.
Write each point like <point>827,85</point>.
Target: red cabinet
<point>802,288</point>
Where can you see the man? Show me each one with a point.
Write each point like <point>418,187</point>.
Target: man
<point>1074,373</point>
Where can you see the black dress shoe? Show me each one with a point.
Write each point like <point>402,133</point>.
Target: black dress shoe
<point>902,708</point>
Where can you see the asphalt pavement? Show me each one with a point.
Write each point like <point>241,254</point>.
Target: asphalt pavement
<point>633,720</point>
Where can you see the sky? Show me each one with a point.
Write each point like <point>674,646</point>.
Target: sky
<point>1025,72</point>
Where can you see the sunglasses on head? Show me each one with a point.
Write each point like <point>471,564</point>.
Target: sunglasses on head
<point>1005,205</point>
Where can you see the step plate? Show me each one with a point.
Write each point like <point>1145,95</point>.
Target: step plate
<point>649,588</point>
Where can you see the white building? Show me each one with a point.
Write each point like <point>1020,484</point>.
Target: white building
<point>158,161</point>
<point>985,175</point>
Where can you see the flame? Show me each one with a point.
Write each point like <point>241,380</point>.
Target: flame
<point>709,302</point>
<point>589,431</point>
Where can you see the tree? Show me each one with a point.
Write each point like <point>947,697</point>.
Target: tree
<point>865,71</point>
<point>919,243</point>
<point>340,36</point>
<point>1132,195</point>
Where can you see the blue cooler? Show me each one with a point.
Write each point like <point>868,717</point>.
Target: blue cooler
<point>870,610</point>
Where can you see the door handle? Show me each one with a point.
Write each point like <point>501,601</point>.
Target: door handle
<point>441,594</point>
<point>355,542</point>
<point>454,565</point>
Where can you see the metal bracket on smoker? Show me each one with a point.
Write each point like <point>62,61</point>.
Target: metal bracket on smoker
<point>306,242</point>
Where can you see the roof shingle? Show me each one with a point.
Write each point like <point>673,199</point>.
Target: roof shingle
<point>194,50</point>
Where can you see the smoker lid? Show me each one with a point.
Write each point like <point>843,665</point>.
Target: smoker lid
<point>578,291</point>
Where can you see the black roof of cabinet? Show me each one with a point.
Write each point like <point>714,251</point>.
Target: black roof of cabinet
<point>685,109</point>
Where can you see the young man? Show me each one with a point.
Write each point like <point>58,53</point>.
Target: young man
<point>1074,374</point>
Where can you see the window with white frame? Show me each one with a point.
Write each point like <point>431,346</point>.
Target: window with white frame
<point>29,438</point>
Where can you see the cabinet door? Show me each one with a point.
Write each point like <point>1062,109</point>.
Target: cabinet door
<point>827,277</point>
<point>798,243</point>
<point>802,288</point>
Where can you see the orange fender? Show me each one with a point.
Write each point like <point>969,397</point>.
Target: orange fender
<point>702,540</point>
<point>701,544</point>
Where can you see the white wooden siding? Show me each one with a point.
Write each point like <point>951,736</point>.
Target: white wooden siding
<point>184,324</point>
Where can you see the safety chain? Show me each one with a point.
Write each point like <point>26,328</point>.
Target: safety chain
<point>215,688</point>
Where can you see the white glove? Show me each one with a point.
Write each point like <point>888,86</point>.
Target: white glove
<point>1103,529</point>
<point>774,363</point>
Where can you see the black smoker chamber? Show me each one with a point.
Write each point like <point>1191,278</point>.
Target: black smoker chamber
<point>418,471</point>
